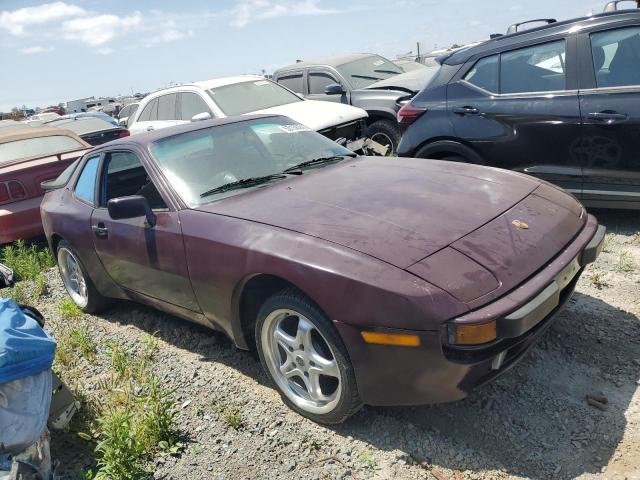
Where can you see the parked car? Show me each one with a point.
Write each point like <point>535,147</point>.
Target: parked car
<point>245,94</point>
<point>561,102</point>
<point>364,80</point>
<point>92,130</point>
<point>100,115</point>
<point>40,118</point>
<point>28,157</point>
<point>127,112</point>
<point>328,263</point>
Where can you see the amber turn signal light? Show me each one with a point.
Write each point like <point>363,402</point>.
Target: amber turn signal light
<point>397,339</point>
<point>473,333</point>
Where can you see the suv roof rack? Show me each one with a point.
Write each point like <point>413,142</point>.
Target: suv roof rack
<point>613,5</point>
<point>516,26</point>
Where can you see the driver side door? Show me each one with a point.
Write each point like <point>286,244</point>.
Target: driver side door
<point>144,259</point>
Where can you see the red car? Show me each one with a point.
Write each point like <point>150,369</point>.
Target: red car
<point>386,281</point>
<point>29,156</point>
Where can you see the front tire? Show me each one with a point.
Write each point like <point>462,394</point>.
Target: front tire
<point>306,359</point>
<point>77,282</point>
<point>386,133</point>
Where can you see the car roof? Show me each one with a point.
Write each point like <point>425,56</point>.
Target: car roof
<point>11,135</point>
<point>563,27</point>
<point>205,84</point>
<point>146,138</point>
<point>331,61</point>
<point>82,125</point>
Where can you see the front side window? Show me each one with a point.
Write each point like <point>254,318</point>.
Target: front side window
<point>540,68</point>
<point>198,161</point>
<point>292,82</point>
<point>484,74</point>
<point>123,176</point>
<point>86,185</point>
<point>37,147</point>
<point>192,104</point>
<point>616,57</point>
<point>251,96</point>
<point>318,81</point>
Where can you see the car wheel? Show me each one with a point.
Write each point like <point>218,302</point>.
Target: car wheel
<point>455,158</point>
<point>386,133</point>
<point>306,359</point>
<point>78,284</point>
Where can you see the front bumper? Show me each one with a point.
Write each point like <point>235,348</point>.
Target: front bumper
<point>437,372</point>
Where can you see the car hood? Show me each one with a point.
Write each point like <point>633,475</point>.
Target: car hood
<point>399,210</point>
<point>317,115</point>
<point>412,81</point>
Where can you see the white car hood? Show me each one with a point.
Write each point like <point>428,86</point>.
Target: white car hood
<point>317,115</point>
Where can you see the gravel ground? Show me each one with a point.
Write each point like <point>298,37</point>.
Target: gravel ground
<point>533,422</point>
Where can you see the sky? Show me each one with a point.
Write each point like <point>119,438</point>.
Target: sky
<point>55,51</point>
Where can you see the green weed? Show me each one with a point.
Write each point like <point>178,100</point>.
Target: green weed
<point>367,459</point>
<point>26,261</point>
<point>68,309</point>
<point>625,262</point>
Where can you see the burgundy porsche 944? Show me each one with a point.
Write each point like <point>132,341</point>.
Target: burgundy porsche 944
<point>385,281</point>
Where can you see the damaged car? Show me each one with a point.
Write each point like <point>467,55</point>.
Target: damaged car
<point>358,280</point>
<point>364,80</point>
<point>246,95</point>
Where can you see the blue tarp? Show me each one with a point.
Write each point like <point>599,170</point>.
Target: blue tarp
<point>25,348</point>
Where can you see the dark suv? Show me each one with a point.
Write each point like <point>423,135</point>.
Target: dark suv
<point>561,102</point>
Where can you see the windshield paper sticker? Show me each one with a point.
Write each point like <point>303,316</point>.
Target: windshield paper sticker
<point>261,82</point>
<point>294,128</point>
<point>377,63</point>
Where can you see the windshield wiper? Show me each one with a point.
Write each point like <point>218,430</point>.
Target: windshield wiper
<point>368,77</point>
<point>387,71</point>
<point>244,183</point>
<point>317,161</point>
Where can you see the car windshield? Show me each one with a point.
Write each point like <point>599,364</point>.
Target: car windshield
<point>366,71</point>
<point>35,147</point>
<point>199,161</point>
<point>251,96</point>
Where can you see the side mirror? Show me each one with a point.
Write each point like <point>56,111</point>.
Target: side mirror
<point>334,89</point>
<point>198,117</point>
<point>131,207</point>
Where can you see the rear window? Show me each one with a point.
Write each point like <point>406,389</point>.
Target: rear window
<point>37,147</point>
<point>84,125</point>
<point>245,97</point>
<point>292,82</point>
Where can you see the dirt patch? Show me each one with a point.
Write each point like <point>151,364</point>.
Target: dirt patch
<point>533,422</point>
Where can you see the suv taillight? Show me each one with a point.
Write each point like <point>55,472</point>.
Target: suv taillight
<point>409,114</point>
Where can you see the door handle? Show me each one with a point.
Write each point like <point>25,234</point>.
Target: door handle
<point>608,117</point>
<point>466,110</point>
<point>100,230</point>
<point>149,128</point>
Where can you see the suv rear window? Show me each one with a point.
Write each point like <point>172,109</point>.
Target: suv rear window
<point>540,68</point>
<point>36,147</point>
<point>616,57</point>
<point>484,74</point>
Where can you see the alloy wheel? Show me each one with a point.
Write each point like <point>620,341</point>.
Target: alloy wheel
<point>73,277</point>
<point>301,361</point>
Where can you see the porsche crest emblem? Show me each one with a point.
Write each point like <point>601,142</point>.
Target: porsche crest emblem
<point>520,224</point>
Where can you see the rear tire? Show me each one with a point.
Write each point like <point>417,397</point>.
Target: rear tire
<point>77,282</point>
<point>386,133</point>
<point>306,359</point>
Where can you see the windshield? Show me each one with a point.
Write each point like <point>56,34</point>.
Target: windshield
<point>198,161</point>
<point>245,97</point>
<point>36,147</point>
<point>366,71</point>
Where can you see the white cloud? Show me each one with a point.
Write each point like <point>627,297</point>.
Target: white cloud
<point>247,11</point>
<point>99,29</point>
<point>36,49</point>
<point>15,21</point>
